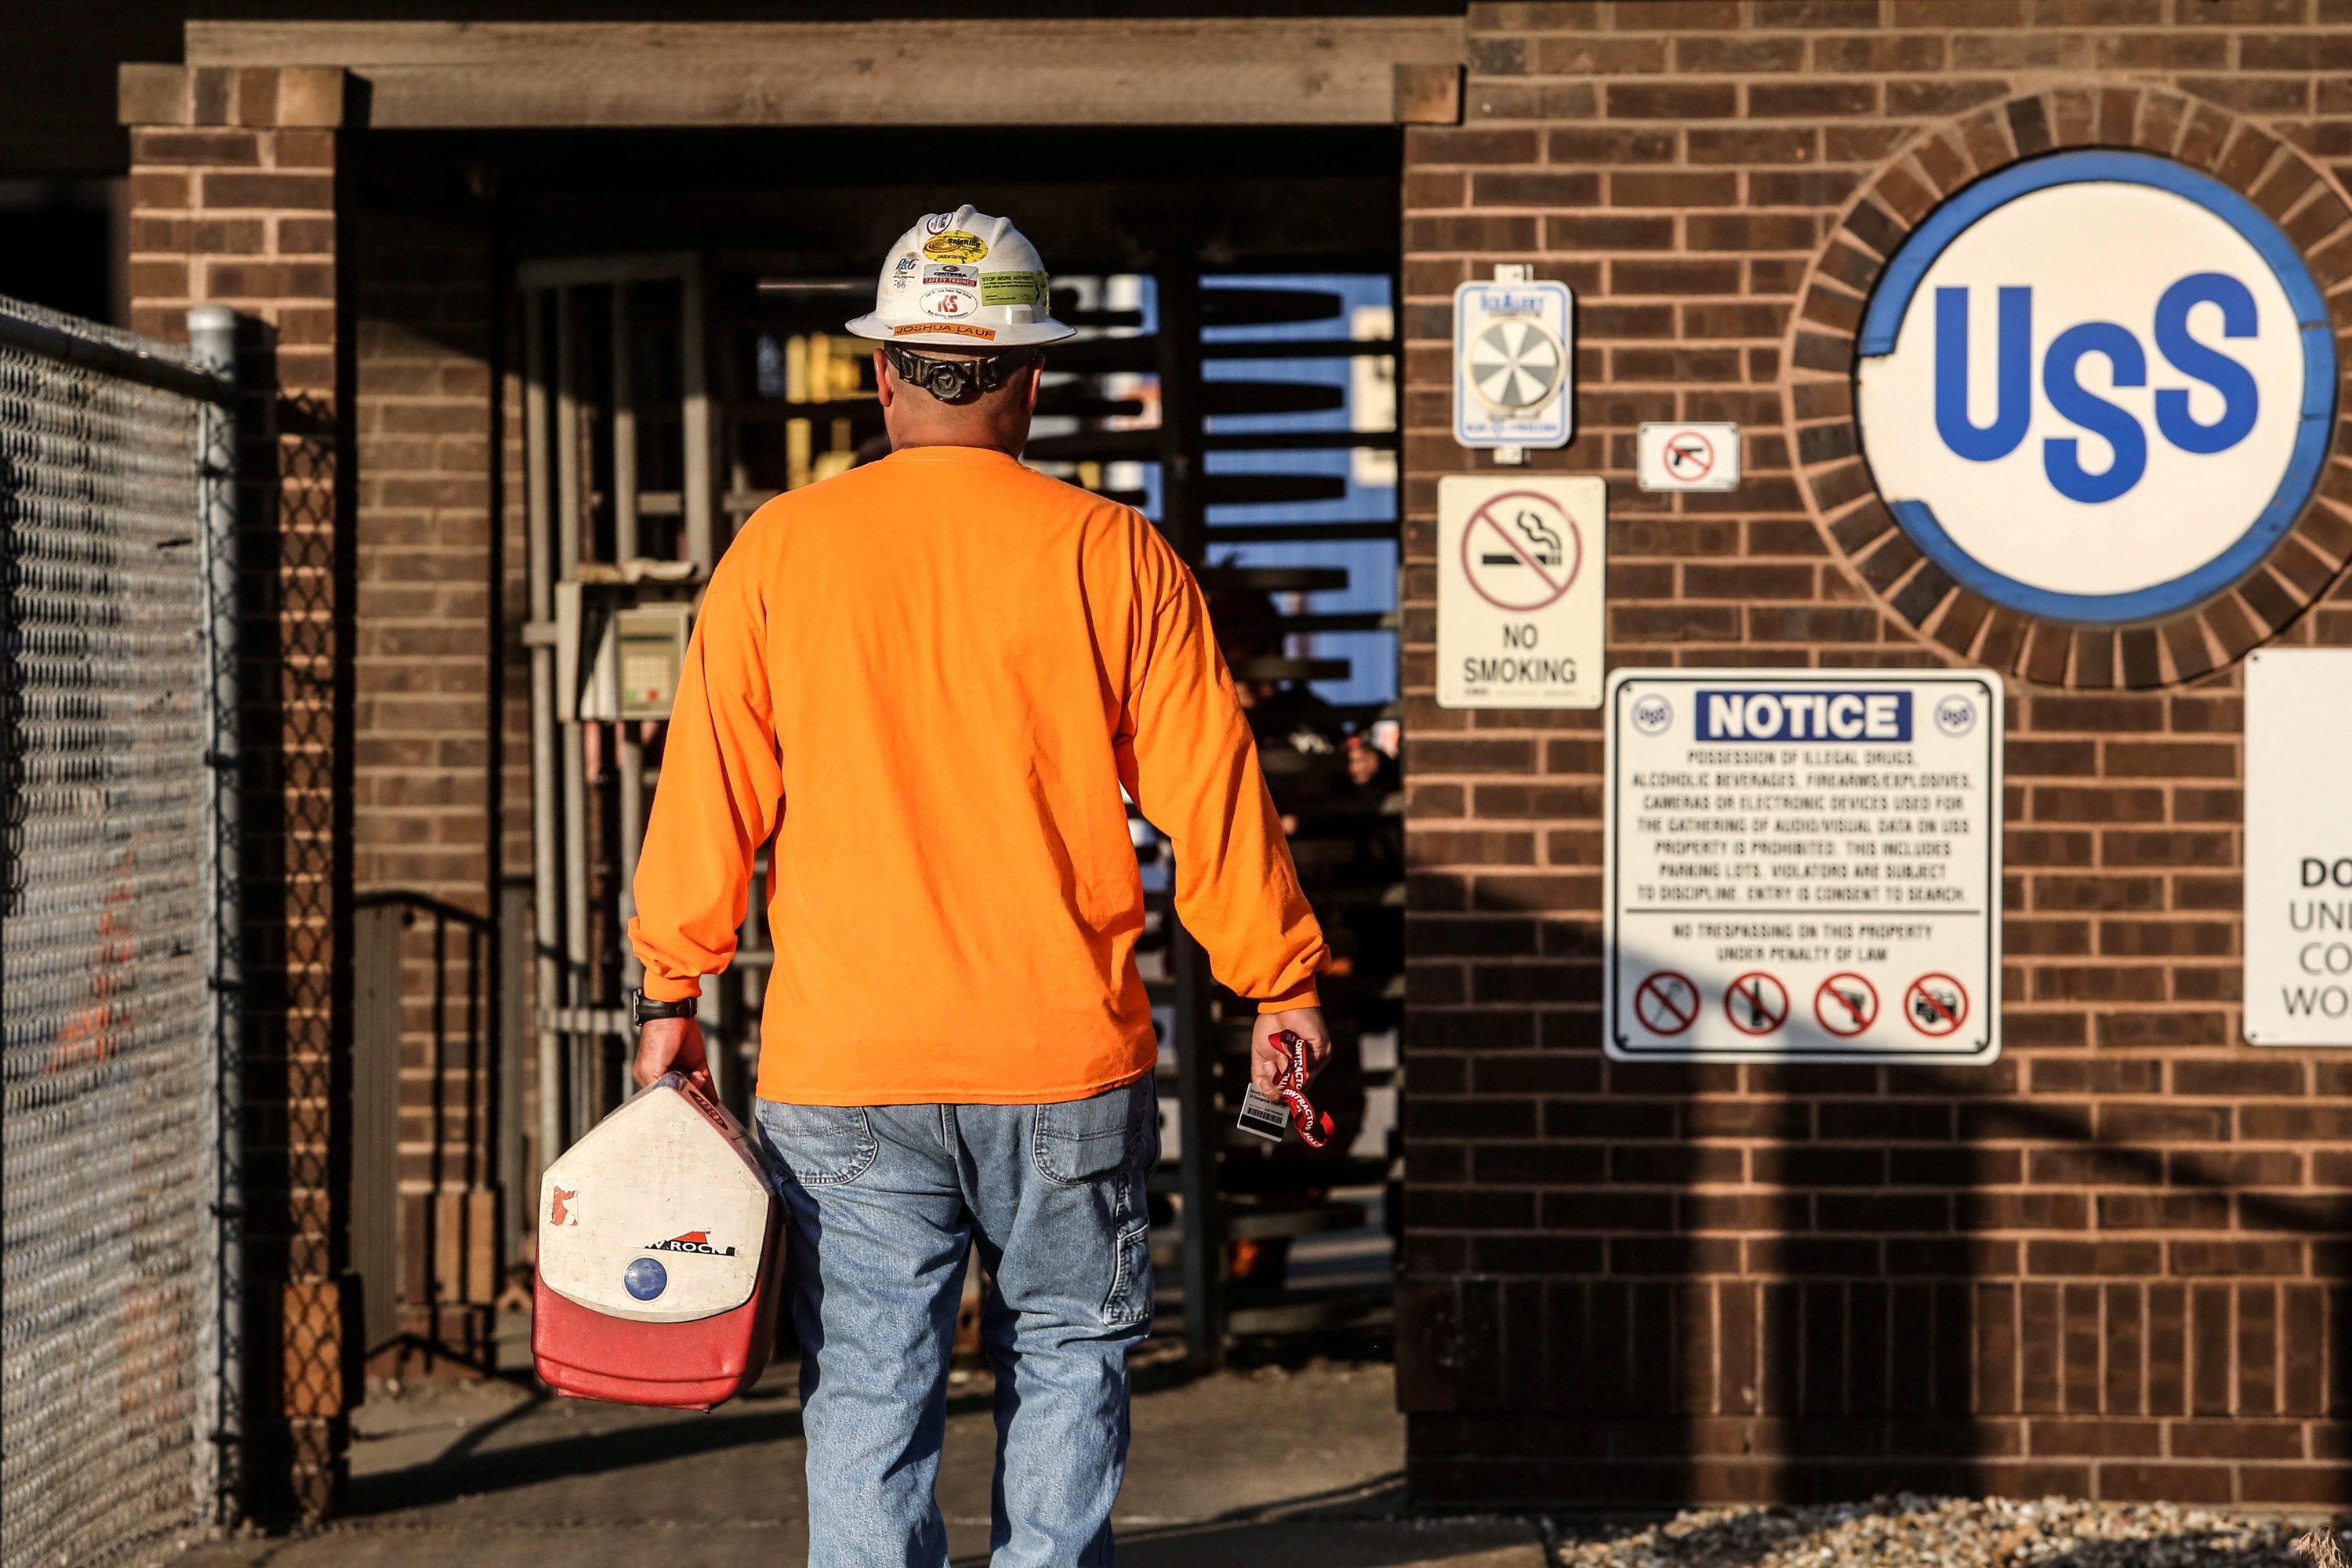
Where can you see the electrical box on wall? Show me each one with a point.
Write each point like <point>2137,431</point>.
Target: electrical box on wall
<point>652,654</point>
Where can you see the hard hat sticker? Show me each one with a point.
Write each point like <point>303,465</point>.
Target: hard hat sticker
<point>646,1278</point>
<point>1013,287</point>
<point>955,244</point>
<point>952,304</point>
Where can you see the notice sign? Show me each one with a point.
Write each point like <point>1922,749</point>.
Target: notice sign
<point>1520,592</point>
<point>2298,848</point>
<point>1804,866</point>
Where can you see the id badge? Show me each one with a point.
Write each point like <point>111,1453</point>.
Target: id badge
<point>1263,1116</point>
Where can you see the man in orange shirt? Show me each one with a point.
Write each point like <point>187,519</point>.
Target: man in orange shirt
<point>930,678</point>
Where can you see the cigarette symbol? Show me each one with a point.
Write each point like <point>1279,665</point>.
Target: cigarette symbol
<point>1541,537</point>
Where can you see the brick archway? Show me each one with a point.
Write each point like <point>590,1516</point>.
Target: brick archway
<point>1818,388</point>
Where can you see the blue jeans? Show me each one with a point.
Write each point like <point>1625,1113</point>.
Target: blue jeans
<point>886,1203</point>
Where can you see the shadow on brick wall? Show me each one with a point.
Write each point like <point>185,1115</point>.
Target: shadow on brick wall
<point>1864,1280</point>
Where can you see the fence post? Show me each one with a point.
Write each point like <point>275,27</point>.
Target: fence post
<point>212,333</point>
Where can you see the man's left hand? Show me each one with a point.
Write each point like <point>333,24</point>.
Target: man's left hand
<point>1268,1059</point>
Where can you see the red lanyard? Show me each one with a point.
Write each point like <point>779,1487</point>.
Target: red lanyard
<point>1314,1126</point>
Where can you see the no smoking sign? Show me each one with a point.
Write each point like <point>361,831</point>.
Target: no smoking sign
<point>1688,457</point>
<point>1520,599</point>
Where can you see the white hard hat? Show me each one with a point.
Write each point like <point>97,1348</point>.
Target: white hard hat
<point>963,281</point>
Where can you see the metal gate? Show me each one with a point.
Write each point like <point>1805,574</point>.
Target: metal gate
<point>118,1266</point>
<point>669,396</point>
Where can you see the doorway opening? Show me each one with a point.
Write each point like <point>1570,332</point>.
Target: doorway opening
<point>671,307</point>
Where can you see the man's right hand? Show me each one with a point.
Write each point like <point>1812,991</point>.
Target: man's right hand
<point>668,1045</point>
<point>1268,1059</point>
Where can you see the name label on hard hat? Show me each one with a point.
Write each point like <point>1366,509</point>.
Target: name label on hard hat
<point>2096,386</point>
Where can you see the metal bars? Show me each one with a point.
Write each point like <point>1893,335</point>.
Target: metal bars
<point>118,1263</point>
<point>606,340</point>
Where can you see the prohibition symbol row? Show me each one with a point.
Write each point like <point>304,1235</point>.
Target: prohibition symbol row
<point>1847,1004</point>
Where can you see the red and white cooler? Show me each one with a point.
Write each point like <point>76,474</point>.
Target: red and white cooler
<point>658,1240</point>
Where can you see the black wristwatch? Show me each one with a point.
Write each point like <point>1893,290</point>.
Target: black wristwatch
<point>644,1009</point>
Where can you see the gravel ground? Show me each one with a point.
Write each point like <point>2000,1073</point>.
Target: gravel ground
<point>1943,1532</point>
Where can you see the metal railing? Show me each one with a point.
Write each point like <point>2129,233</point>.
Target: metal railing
<point>120,1350</point>
<point>432,1260</point>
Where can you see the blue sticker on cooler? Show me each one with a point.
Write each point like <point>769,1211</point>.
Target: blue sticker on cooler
<point>646,1278</point>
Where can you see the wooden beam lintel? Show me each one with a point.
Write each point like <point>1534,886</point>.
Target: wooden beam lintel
<point>1360,70</point>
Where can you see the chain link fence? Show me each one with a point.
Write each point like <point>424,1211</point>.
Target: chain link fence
<point>116,1178</point>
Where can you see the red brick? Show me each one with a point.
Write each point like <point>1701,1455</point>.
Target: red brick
<point>1811,99</point>
<point>1429,145</point>
<point>206,147</point>
<point>1682,100</point>
<point>1663,188</point>
<point>2181,759</point>
<point>1587,55</point>
<point>314,192</point>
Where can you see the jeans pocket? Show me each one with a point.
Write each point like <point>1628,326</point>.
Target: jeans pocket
<point>820,1145</point>
<point>1079,1139</point>
<point>1129,1300</point>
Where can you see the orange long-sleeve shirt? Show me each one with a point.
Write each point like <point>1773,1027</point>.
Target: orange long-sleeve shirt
<point>937,671</point>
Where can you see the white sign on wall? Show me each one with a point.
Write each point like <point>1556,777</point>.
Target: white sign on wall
<point>1802,866</point>
<point>1688,457</point>
<point>2096,386</point>
<point>1514,377</point>
<point>1521,566</point>
<point>2299,846</point>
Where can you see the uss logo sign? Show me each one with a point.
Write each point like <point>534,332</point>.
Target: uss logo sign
<point>2095,387</point>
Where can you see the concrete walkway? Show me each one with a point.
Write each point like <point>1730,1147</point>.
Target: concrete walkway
<point>1300,1469</point>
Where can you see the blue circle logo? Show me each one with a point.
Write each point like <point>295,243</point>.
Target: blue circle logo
<point>2096,386</point>
<point>646,1278</point>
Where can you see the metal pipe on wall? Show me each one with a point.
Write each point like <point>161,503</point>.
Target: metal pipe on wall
<point>632,837</point>
<point>626,547</point>
<point>546,891</point>
<point>701,520</point>
<point>624,431</point>
<point>572,743</point>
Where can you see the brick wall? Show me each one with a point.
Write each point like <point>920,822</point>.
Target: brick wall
<point>424,754</point>
<point>2111,1264</point>
<point>232,200</point>
<point>422,655</point>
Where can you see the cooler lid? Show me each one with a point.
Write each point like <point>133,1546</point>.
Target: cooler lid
<point>660,1215</point>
